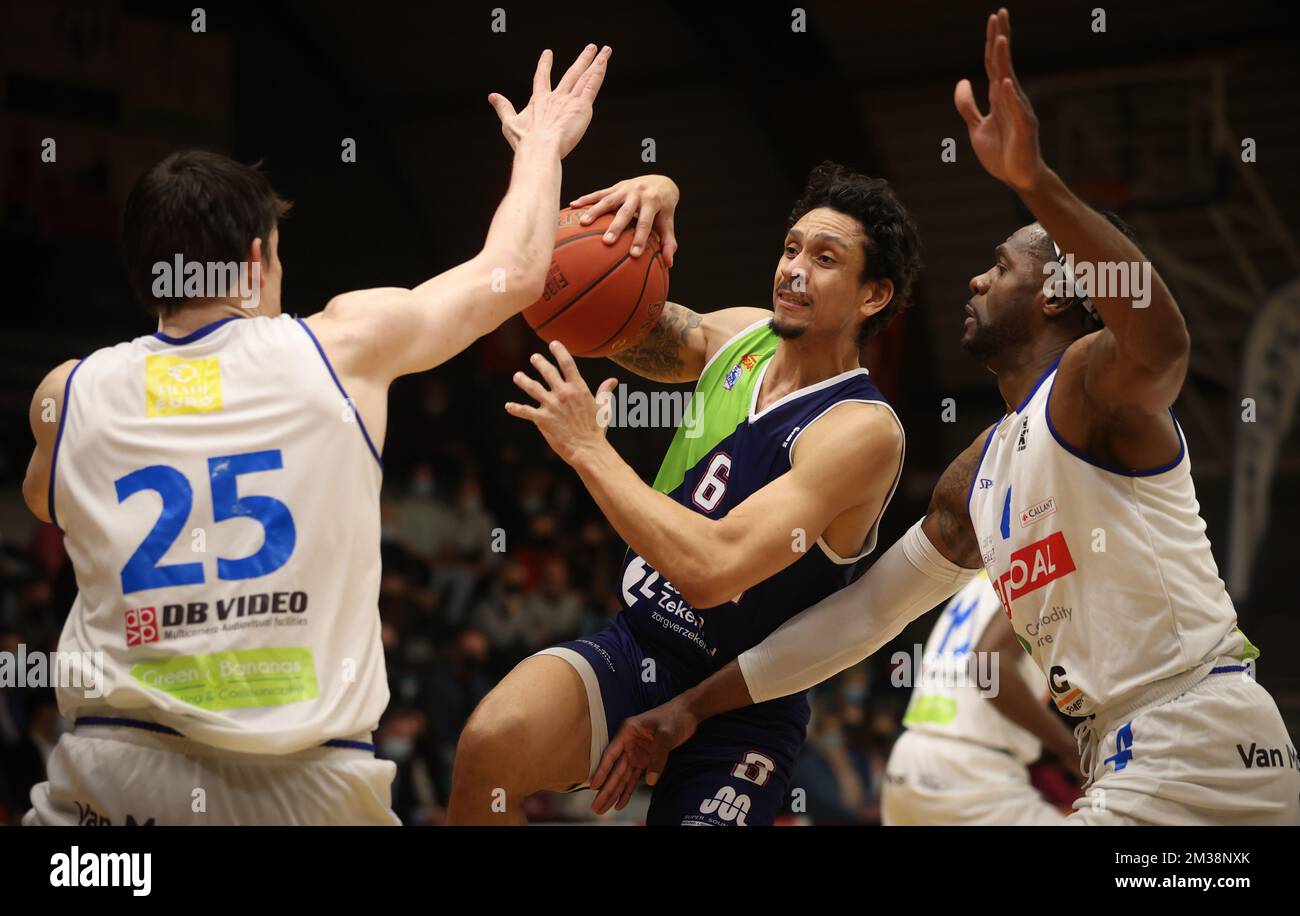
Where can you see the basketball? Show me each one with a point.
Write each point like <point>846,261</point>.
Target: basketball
<point>598,298</point>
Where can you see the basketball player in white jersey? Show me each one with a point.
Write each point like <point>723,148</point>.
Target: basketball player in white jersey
<point>976,720</point>
<point>1080,505</point>
<point>218,487</point>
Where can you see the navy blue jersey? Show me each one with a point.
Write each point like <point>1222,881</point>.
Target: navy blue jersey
<point>712,465</point>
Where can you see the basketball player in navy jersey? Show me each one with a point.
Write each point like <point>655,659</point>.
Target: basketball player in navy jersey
<point>771,502</point>
<point>250,671</point>
<point>1080,505</point>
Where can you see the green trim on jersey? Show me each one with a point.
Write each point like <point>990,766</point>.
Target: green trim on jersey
<point>930,709</point>
<point>715,411</point>
<point>1248,650</point>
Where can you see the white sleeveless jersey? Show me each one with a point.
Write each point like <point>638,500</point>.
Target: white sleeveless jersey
<point>1106,573</point>
<point>951,694</point>
<point>220,503</point>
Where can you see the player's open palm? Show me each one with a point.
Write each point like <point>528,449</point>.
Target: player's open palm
<point>651,200</point>
<point>567,413</point>
<point>1006,139</point>
<point>563,113</point>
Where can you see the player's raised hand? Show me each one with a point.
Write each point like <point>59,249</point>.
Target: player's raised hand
<point>560,114</point>
<point>651,200</point>
<point>1006,139</point>
<point>641,747</point>
<point>570,417</point>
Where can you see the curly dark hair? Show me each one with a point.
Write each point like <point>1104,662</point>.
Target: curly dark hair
<point>893,247</point>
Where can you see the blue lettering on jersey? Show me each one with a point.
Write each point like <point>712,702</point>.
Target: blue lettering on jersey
<point>143,570</point>
<point>1123,747</point>
<point>957,616</point>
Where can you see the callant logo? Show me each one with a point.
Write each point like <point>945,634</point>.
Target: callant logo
<point>1037,512</point>
<point>1033,567</point>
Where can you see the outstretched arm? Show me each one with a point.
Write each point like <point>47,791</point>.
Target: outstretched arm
<point>377,335</point>
<point>927,566</point>
<point>1138,362</point>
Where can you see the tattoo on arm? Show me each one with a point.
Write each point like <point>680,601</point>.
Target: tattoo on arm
<point>659,356</point>
<point>948,512</point>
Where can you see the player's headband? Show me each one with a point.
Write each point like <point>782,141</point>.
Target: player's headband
<point>1069,274</point>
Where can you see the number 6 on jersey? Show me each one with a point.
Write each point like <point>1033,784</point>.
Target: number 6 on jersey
<point>713,485</point>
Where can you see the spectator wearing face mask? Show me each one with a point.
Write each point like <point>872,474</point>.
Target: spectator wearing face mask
<point>836,779</point>
<point>403,737</point>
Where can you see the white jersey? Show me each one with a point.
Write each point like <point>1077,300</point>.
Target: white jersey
<point>951,695</point>
<point>1105,573</point>
<point>220,502</point>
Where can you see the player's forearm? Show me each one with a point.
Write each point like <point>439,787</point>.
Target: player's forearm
<point>674,540</point>
<point>522,233</point>
<point>721,692</point>
<point>521,238</point>
<point>1017,702</point>
<point>910,578</point>
<point>1147,323</point>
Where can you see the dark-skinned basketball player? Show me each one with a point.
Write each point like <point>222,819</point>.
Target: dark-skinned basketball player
<point>1080,505</point>
<point>771,500</point>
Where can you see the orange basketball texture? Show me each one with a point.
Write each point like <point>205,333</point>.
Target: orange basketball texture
<point>598,298</point>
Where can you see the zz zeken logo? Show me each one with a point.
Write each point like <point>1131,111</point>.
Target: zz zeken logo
<point>1032,567</point>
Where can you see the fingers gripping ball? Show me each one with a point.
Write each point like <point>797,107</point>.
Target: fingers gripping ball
<point>598,298</point>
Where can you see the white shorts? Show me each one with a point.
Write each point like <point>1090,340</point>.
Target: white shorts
<point>115,775</point>
<point>934,780</point>
<point>1216,753</point>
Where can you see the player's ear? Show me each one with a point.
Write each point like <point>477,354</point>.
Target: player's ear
<point>879,293</point>
<point>1052,306</point>
<point>1053,299</point>
<point>255,253</point>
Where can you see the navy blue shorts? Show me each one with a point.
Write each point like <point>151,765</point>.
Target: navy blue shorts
<point>734,771</point>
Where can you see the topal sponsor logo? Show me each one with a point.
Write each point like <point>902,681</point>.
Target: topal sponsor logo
<point>1032,567</point>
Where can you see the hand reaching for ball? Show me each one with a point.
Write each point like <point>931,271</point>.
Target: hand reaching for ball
<point>651,200</point>
<point>561,114</point>
<point>572,419</point>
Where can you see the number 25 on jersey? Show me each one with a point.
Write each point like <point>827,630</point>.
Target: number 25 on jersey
<point>142,571</point>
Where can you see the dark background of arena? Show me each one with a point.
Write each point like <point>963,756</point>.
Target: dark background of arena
<point>1145,118</point>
